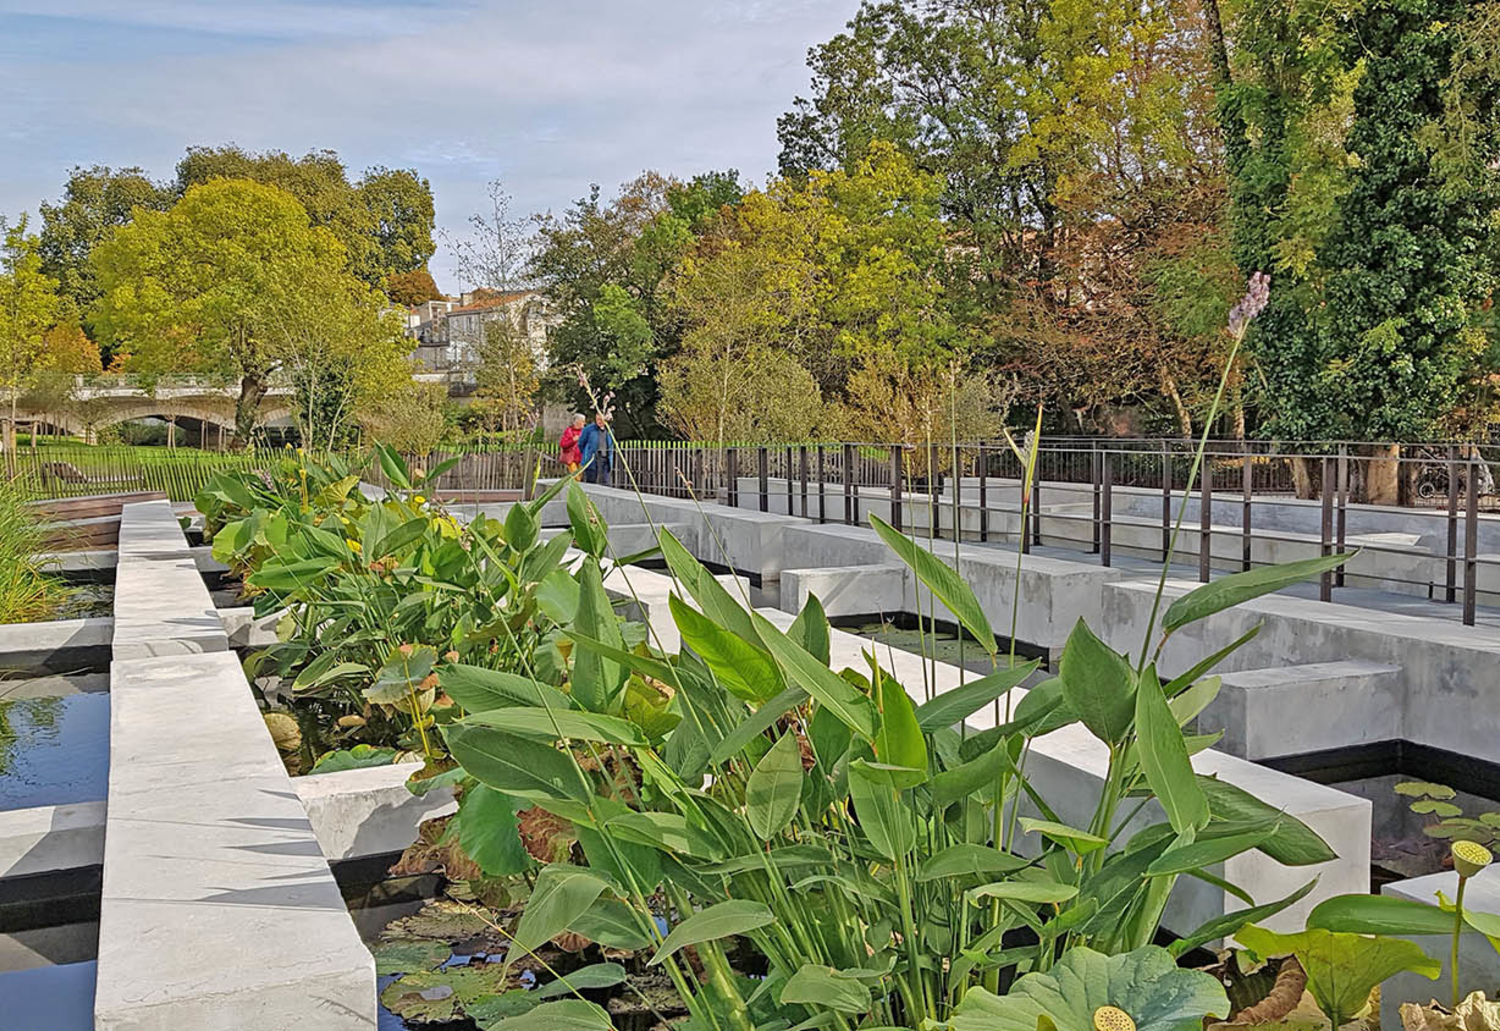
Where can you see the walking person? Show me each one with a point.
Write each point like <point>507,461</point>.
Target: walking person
<point>597,445</point>
<point>571,456</point>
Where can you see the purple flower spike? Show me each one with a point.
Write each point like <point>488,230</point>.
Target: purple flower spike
<point>1251,305</point>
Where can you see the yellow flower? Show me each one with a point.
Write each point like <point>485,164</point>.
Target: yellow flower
<point>418,499</point>
<point>355,546</point>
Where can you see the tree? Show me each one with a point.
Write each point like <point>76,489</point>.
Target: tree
<point>409,289</point>
<point>223,282</point>
<point>410,419</point>
<point>28,306</point>
<point>506,377</point>
<point>95,200</point>
<point>384,222</point>
<point>495,254</point>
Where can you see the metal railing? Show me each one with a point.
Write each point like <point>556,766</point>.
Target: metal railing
<point>1420,514</point>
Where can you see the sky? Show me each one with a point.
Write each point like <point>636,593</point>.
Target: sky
<point>549,97</point>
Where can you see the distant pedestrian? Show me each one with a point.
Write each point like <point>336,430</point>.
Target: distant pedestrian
<point>597,445</point>
<point>571,456</point>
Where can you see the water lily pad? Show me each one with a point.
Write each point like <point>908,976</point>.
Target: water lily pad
<point>405,956</point>
<point>442,921</point>
<point>1424,789</point>
<point>432,995</point>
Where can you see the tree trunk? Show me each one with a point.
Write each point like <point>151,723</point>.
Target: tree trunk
<point>1184,417</point>
<point>1383,475</point>
<point>253,387</point>
<point>1302,479</point>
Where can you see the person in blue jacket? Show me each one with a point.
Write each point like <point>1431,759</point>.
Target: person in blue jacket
<point>598,447</point>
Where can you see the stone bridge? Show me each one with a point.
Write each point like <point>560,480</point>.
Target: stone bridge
<point>194,402</point>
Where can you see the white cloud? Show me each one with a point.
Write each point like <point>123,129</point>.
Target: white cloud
<point>548,96</point>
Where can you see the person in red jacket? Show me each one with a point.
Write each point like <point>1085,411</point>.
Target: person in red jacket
<point>571,456</point>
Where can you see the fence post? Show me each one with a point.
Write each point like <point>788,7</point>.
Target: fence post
<point>1471,542</point>
<point>732,462</point>
<point>763,477</point>
<point>1166,501</point>
<point>822,502</point>
<point>1105,523</point>
<point>1247,487</point>
<point>1451,581</point>
<point>984,510</point>
<point>1343,510</point>
<point>1036,497</point>
<point>790,509</point>
<point>849,484</point>
<point>1325,547</point>
<point>698,484</point>
<point>1206,520</point>
<point>802,462</point>
<point>896,486</point>
<point>1096,475</point>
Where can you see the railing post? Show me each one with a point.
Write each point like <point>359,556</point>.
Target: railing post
<point>849,484</point>
<point>790,510</point>
<point>1166,501</point>
<point>896,486</point>
<point>1247,505</point>
<point>732,471</point>
<point>1342,523</point>
<point>763,475</point>
<point>802,463</point>
<point>1096,475</point>
<point>1036,497</point>
<point>1471,542</point>
<point>1451,580</point>
<point>984,509</point>
<point>1325,545</point>
<point>822,501</point>
<point>1206,519</point>
<point>1105,523</point>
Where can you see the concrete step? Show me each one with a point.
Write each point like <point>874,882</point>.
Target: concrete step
<point>1289,710</point>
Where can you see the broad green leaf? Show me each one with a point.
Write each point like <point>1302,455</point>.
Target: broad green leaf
<point>402,537</point>
<point>1228,591</point>
<point>1023,891</point>
<point>1379,914</point>
<point>520,528</point>
<point>966,859</point>
<point>883,814</point>
<point>1341,968</point>
<point>830,737</point>
<point>715,602</point>
<point>1146,983</point>
<point>736,916</point>
<point>1097,685</point>
<point>1293,844</point>
<point>757,724</point>
<point>954,706</point>
<point>394,466</point>
<point>402,674</point>
<point>1424,789</point>
<point>774,788</point>
<point>596,679</point>
<point>1182,680</point>
<point>540,563</point>
<point>562,1015</point>
<point>810,629</point>
<point>1164,759</point>
<point>562,894</point>
<point>817,680</point>
<point>595,975</point>
<point>1077,841</point>
<point>480,690</point>
<point>488,834</point>
<point>899,741</point>
<point>744,671</point>
<point>967,778</point>
<point>668,831</point>
<point>1190,702</point>
<point>1226,924</point>
<point>284,577</point>
<point>557,596</point>
<point>326,672</point>
<point>825,988</point>
<point>590,532</point>
<point>944,582</point>
<point>361,757</point>
<point>557,723</point>
<point>1200,854</point>
<point>612,923</point>
<point>516,765</point>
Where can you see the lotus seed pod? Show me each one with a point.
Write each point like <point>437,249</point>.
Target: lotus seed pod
<point>284,731</point>
<point>351,721</point>
<point>1469,857</point>
<point>1112,1018</point>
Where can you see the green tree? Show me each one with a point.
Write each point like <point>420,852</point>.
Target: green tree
<point>225,281</point>
<point>384,221</point>
<point>28,306</point>
<point>95,200</point>
<point>506,378</point>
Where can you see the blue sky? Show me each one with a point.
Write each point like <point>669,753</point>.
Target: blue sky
<point>548,96</point>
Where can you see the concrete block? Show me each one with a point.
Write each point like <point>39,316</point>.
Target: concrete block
<point>369,812</point>
<point>59,646</point>
<point>210,858</point>
<point>1289,710</point>
<point>55,686</point>
<point>245,630</point>
<point>52,837</point>
<point>82,563</point>
<point>162,606</point>
<point>1478,962</point>
<point>847,590</point>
